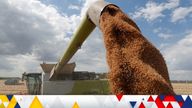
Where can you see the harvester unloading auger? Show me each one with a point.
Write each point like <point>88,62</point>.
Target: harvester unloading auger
<point>136,66</point>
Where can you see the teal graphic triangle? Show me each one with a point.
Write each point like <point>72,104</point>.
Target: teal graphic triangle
<point>17,106</point>
<point>187,103</point>
<point>133,103</point>
<point>9,97</point>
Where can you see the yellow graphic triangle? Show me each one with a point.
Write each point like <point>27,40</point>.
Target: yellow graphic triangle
<point>4,98</point>
<point>2,106</point>
<point>76,105</point>
<point>36,103</point>
<point>12,103</point>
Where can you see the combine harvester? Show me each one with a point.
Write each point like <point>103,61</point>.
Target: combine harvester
<point>130,73</point>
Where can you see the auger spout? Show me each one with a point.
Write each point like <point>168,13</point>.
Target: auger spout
<point>88,24</point>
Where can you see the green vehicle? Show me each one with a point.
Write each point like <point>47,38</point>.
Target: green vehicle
<point>34,82</point>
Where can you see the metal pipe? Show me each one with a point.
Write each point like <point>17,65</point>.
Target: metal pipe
<point>83,31</point>
<point>88,24</point>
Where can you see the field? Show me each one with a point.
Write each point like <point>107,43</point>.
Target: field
<point>12,89</point>
<point>182,88</point>
<point>86,87</point>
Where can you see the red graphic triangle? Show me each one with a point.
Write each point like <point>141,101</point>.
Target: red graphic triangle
<point>180,103</point>
<point>169,105</point>
<point>159,103</point>
<point>141,105</point>
<point>119,96</point>
<point>150,99</point>
<point>169,98</point>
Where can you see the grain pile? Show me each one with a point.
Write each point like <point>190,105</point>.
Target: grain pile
<point>136,66</point>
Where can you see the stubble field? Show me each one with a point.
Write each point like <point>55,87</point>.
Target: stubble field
<point>21,88</point>
<point>87,87</point>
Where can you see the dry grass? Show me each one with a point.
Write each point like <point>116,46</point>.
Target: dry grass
<point>182,88</point>
<point>13,89</point>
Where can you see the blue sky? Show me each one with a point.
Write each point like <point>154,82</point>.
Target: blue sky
<point>34,31</point>
<point>129,7</point>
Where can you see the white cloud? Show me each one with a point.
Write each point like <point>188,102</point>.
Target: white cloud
<point>75,7</point>
<point>181,75</point>
<point>61,24</point>
<point>86,5</point>
<point>180,13</point>
<point>32,32</point>
<point>178,57</point>
<point>157,30</point>
<point>163,33</point>
<point>17,64</point>
<point>165,36</point>
<point>163,46</point>
<point>153,10</point>
<point>91,56</point>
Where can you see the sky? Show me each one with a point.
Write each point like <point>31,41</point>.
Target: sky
<point>36,31</point>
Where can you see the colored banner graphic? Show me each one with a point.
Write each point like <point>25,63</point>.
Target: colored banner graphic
<point>95,101</point>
